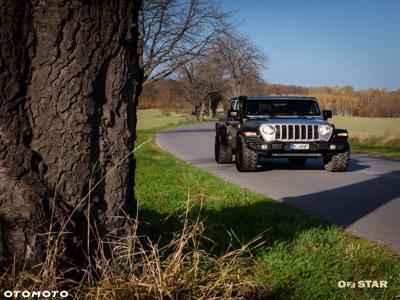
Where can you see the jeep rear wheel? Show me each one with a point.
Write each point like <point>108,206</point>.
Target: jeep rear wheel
<point>223,153</point>
<point>337,162</point>
<point>246,159</point>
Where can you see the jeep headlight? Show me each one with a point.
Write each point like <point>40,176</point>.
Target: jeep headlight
<point>325,132</point>
<point>268,129</point>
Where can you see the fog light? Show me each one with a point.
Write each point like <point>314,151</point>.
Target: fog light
<point>264,147</point>
<point>332,147</point>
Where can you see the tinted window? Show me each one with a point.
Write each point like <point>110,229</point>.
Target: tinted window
<point>282,107</point>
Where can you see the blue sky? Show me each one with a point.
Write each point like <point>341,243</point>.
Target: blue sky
<point>321,42</point>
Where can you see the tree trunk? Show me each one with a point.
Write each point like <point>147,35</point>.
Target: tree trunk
<point>200,111</point>
<point>69,82</point>
<point>215,99</point>
<point>210,110</point>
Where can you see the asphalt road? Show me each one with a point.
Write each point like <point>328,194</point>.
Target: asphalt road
<point>365,200</point>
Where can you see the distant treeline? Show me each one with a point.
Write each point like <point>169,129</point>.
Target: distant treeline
<point>344,101</point>
<point>165,94</point>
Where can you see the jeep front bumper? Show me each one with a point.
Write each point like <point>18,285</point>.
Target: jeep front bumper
<point>285,149</point>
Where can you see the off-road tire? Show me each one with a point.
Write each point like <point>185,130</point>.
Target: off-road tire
<point>246,159</point>
<point>297,160</point>
<point>337,162</point>
<point>223,153</point>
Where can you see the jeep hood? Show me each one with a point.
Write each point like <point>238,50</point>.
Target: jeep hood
<point>255,122</point>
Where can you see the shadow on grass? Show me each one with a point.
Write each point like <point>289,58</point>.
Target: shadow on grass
<point>230,227</point>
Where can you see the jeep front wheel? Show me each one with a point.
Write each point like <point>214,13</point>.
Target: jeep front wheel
<point>223,153</point>
<point>337,162</point>
<point>246,159</point>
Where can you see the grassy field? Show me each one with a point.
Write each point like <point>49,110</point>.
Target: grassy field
<point>151,118</point>
<point>300,257</point>
<point>382,129</point>
<point>374,136</point>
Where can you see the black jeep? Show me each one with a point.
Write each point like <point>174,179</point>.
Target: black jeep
<point>281,126</point>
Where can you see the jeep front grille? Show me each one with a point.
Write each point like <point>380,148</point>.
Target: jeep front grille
<point>296,132</point>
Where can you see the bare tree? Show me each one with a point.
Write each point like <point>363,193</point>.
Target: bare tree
<point>241,60</point>
<point>175,32</point>
<point>68,86</point>
<point>203,82</point>
<point>195,91</point>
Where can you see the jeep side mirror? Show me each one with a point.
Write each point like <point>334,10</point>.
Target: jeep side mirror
<point>233,113</point>
<point>327,114</point>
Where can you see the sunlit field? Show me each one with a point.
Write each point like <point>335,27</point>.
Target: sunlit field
<point>365,129</point>
<point>151,118</point>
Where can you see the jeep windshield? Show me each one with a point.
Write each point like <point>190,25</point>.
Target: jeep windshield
<point>281,107</point>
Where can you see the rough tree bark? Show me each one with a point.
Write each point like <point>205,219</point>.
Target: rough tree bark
<point>69,80</point>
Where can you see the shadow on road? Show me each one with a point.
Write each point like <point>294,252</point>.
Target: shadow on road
<point>268,164</point>
<point>346,205</point>
<point>274,164</point>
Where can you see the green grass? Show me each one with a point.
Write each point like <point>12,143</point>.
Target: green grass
<point>301,258</point>
<point>152,118</point>
<point>371,148</point>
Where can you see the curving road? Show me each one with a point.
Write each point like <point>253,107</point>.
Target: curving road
<point>365,200</point>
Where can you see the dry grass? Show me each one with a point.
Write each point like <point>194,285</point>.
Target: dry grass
<point>180,270</point>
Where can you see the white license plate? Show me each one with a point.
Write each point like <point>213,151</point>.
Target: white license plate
<point>299,146</point>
